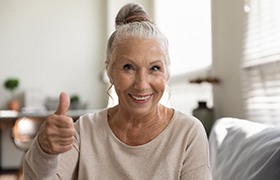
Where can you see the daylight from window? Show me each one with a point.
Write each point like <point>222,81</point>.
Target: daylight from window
<point>187,25</point>
<point>261,62</point>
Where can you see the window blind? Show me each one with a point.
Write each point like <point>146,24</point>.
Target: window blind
<point>261,62</point>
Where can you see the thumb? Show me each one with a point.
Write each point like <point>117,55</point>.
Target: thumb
<point>64,104</point>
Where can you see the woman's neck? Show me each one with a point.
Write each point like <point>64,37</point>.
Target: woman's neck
<point>136,130</point>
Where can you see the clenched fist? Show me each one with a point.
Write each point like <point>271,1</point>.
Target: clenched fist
<point>56,135</point>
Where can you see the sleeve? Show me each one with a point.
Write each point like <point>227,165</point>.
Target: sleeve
<point>196,165</point>
<point>39,165</point>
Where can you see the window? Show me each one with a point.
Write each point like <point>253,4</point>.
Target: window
<point>261,62</point>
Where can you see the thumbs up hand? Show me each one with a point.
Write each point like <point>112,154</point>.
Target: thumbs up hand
<point>56,135</point>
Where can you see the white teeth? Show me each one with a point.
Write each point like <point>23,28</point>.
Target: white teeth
<point>143,98</point>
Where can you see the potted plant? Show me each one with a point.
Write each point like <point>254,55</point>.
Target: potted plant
<point>74,101</point>
<point>11,85</point>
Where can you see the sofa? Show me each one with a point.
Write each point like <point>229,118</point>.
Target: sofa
<point>244,150</point>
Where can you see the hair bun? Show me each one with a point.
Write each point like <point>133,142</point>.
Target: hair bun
<point>131,13</point>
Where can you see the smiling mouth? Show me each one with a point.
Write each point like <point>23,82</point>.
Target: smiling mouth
<point>141,98</point>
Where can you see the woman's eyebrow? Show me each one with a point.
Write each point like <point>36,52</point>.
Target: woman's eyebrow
<point>157,61</point>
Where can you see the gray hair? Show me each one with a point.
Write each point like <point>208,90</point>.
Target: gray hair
<point>133,21</point>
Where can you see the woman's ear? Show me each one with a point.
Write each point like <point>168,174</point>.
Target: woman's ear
<point>109,74</point>
<point>109,71</point>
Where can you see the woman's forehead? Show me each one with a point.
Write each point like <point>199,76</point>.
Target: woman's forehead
<point>138,45</point>
<point>147,51</point>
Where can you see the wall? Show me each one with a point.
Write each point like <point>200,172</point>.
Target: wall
<point>51,46</point>
<point>227,29</point>
<point>54,46</point>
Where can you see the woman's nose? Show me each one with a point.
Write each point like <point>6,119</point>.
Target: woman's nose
<point>141,80</point>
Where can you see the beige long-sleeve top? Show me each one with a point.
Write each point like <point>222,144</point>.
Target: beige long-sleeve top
<point>179,152</point>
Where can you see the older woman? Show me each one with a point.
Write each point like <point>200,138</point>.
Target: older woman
<point>137,139</point>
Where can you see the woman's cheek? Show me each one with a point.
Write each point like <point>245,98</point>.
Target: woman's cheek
<point>123,80</point>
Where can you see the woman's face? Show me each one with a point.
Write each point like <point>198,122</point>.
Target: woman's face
<point>139,74</point>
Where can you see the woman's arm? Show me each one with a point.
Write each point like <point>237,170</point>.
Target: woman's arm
<point>197,162</point>
<point>39,165</point>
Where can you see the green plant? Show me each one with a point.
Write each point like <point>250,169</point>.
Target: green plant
<point>11,84</point>
<point>74,98</point>
<point>74,101</point>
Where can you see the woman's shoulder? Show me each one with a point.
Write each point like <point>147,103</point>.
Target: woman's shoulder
<point>185,118</point>
<point>94,119</point>
<point>185,128</point>
<point>187,121</point>
<point>93,115</point>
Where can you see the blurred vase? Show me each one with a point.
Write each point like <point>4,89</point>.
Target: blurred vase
<point>205,115</point>
<point>14,105</point>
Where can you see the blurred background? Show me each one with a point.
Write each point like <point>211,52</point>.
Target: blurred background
<point>223,53</point>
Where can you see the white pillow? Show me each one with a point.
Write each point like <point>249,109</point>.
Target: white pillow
<point>244,150</point>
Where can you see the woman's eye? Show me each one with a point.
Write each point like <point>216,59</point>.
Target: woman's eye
<point>128,67</point>
<point>155,68</point>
